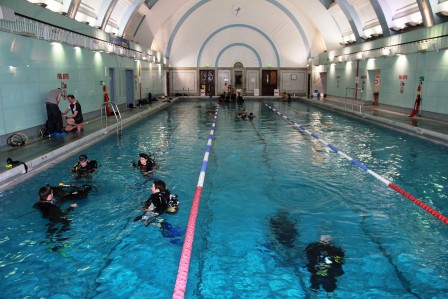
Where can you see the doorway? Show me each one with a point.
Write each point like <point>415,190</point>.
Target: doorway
<point>129,87</point>
<point>207,82</point>
<point>376,87</point>
<point>269,82</point>
<point>111,86</point>
<point>323,79</point>
<point>308,87</point>
<point>168,84</point>
<point>238,79</point>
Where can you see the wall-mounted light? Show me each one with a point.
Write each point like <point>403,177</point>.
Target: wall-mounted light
<point>386,52</point>
<point>422,46</point>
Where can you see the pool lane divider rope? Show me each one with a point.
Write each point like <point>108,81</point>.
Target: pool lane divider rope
<point>415,200</point>
<point>184,263</point>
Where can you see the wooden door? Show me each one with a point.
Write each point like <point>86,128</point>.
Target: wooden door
<point>269,82</point>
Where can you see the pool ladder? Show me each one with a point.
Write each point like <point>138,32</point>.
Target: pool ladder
<point>116,112</point>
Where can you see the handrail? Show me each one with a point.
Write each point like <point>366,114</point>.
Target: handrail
<point>111,106</point>
<point>357,95</point>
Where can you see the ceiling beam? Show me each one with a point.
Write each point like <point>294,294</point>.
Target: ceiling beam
<point>352,17</point>
<point>384,16</point>
<point>426,11</point>
<point>105,12</point>
<point>73,8</point>
<point>132,9</point>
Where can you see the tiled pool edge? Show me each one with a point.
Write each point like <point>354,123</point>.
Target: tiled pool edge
<point>391,124</point>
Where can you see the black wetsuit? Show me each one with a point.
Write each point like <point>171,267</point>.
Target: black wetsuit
<point>159,201</point>
<point>58,221</point>
<point>52,212</point>
<point>325,264</point>
<point>71,192</point>
<point>145,169</point>
<point>86,171</point>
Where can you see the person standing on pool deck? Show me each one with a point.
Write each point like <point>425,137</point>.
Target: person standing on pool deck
<point>325,262</point>
<point>54,118</point>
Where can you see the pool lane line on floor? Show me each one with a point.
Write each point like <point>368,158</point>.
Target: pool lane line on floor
<point>418,202</point>
<point>184,263</point>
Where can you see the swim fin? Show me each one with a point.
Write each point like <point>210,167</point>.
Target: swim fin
<point>138,218</point>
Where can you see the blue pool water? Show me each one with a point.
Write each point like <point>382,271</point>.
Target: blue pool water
<point>256,171</point>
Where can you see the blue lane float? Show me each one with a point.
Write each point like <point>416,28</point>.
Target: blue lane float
<point>388,183</point>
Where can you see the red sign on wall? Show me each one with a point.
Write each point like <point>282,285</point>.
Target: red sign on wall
<point>61,76</point>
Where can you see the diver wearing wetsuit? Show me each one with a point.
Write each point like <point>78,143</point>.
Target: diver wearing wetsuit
<point>85,167</point>
<point>59,222</point>
<point>146,163</point>
<point>156,204</point>
<point>325,262</point>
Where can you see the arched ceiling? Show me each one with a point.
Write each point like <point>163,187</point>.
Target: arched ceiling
<point>256,33</point>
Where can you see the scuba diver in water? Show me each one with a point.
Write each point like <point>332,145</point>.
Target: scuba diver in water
<point>58,219</point>
<point>146,163</point>
<point>85,167</point>
<point>283,238</point>
<point>284,229</point>
<point>242,114</point>
<point>325,262</point>
<point>251,116</point>
<point>160,201</point>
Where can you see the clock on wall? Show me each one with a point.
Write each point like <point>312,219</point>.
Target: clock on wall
<point>238,9</point>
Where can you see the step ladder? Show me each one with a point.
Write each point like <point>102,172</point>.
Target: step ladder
<point>116,112</point>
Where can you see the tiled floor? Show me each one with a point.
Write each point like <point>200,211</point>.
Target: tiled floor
<point>41,151</point>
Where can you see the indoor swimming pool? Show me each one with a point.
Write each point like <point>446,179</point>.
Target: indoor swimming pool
<point>269,191</point>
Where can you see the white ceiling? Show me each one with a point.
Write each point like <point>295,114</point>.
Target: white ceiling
<point>257,33</point>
